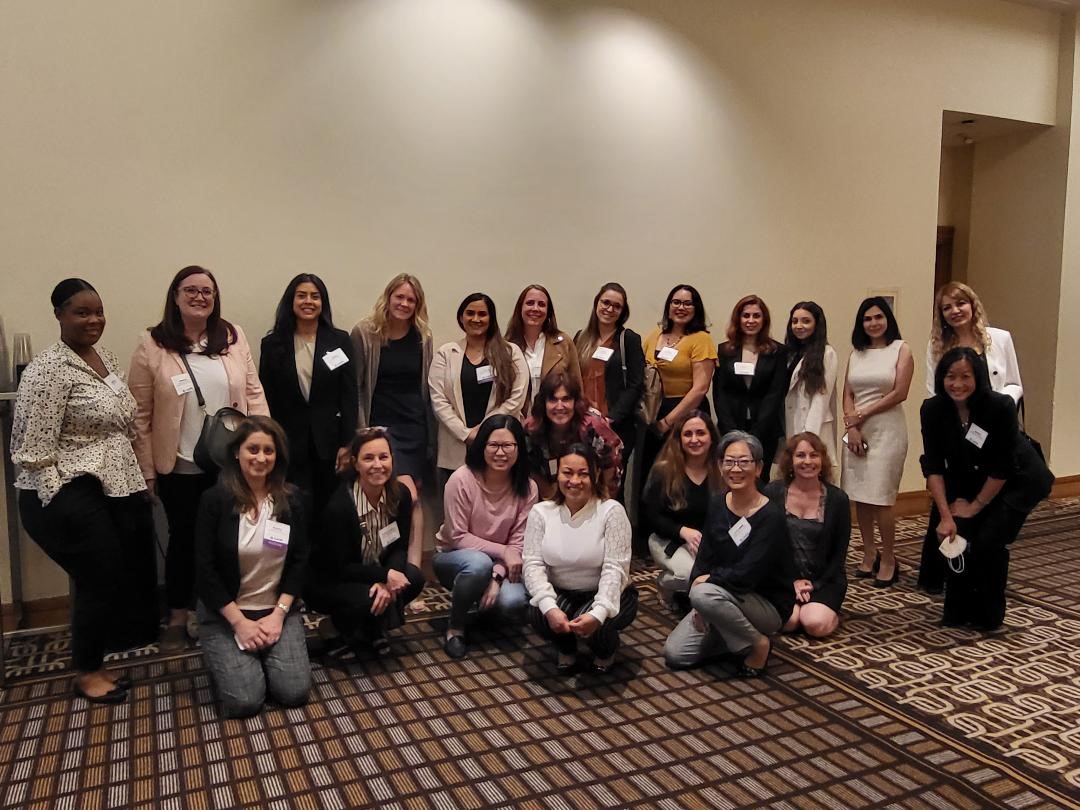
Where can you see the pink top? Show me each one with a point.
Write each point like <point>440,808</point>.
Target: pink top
<point>480,519</point>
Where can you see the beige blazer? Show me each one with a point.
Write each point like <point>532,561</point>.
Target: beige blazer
<point>444,382</point>
<point>157,419</point>
<point>813,412</point>
<point>560,354</point>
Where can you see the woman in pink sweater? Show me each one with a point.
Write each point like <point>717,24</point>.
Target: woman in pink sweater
<point>478,556</point>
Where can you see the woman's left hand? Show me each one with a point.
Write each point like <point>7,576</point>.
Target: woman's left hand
<point>342,462</point>
<point>271,624</point>
<point>963,509</point>
<point>584,625</point>
<point>803,589</point>
<point>380,599</point>
<point>396,581</point>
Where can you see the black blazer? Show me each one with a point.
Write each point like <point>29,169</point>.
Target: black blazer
<point>330,412</point>
<point>623,393</point>
<point>337,556</point>
<point>764,398</point>
<point>217,560</point>
<point>836,532</point>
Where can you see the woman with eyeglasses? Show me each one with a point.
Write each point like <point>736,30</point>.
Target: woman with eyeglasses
<point>307,371</point>
<point>192,354</point>
<point>546,350</point>
<point>878,380</point>
<point>478,547</point>
<point>751,376</point>
<point>741,584</point>
<point>360,573</point>
<point>577,564</point>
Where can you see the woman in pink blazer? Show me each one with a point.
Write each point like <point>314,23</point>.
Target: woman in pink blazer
<point>169,419</point>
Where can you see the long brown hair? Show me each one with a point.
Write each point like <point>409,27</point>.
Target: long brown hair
<point>362,437</point>
<point>942,336</point>
<point>589,337</point>
<point>515,330</point>
<point>233,479</point>
<point>787,457</point>
<point>168,333</point>
<point>763,344</point>
<point>497,350</point>
<point>670,464</point>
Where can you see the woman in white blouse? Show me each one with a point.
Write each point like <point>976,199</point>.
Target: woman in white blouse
<point>810,403</point>
<point>82,497</point>
<point>576,564</point>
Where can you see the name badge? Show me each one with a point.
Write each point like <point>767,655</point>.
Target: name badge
<point>182,384</point>
<point>603,354</point>
<point>115,383</point>
<point>744,369</point>
<point>389,533</point>
<point>976,435</point>
<point>553,466</point>
<point>739,532</point>
<point>277,535</point>
<point>484,374</point>
<point>335,358</point>
<point>668,353</point>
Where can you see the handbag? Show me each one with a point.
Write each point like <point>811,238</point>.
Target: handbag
<point>652,395</point>
<point>212,448</point>
<point>1023,431</point>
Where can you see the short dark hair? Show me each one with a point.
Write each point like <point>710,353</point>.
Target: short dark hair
<point>67,289</point>
<point>597,480</point>
<point>978,368</point>
<point>474,454</point>
<point>859,339</point>
<point>391,490</point>
<point>699,323</point>
<point>285,319</point>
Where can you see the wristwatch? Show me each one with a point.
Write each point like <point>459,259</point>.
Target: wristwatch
<point>498,578</point>
<point>283,608</point>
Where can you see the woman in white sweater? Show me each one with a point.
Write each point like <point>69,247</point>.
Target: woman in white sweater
<point>576,564</point>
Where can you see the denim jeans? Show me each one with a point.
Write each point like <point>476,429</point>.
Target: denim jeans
<point>466,573</point>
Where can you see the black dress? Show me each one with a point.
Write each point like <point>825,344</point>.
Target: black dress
<point>398,403</point>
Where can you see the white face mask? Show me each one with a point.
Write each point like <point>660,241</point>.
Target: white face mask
<point>952,548</point>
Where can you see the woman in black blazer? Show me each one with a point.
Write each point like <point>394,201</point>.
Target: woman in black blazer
<point>307,371</point>
<point>251,550</point>
<point>751,379</point>
<point>360,575</point>
<point>819,523</point>
<point>984,478</point>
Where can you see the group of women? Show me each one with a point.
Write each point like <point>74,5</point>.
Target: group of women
<point>530,432</point>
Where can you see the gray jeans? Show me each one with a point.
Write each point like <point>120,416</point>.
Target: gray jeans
<point>243,679</point>
<point>733,623</point>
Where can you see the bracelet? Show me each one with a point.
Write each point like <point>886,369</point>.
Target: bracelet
<point>283,608</point>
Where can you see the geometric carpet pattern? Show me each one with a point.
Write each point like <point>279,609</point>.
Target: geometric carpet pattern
<point>891,712</point>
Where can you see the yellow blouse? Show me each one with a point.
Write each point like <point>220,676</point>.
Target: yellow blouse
<point>678,374</point>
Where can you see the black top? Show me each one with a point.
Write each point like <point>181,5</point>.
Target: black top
<point>665,522</point>
<point>759,408</point>
<point>474,395</point>
<point>398,399</point>
<point>337,555</point>
<point>835,535</point>
<point>330,411</point>
<point>762,564</point>
<point>217,560</point>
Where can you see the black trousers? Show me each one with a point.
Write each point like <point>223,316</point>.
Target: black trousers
<point>104,545</point>
<point>349,605</point>
<point>314,475</point>
<point>604,641</point>
<point>180,496</point>
<point>932,565</point>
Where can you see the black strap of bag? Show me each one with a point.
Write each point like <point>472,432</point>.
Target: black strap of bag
<point>622,354</point>
<point>194,382</point>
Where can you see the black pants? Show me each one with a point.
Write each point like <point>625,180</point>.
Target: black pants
<point>604,641</point>
<point>101,543</point>
<point>315,476</point>
<point>349,605</point>
<point>180,496</point>
<point>932,565</point>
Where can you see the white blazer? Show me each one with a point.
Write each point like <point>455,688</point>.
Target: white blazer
<point>816,412</point>
<point>1000,359</point>
<point>444,382</point>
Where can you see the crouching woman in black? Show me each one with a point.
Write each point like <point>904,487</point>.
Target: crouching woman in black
<point>984,478</point>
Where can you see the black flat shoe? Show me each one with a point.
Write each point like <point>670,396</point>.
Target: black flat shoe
<point>745,671</point>
<point>123,682</point>
<point>114,695</point>
<point>455,647</point>
<point>564,666</point>
<point>860,574</point>
<point>885,583</point>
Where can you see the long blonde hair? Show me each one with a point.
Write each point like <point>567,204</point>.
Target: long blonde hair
<point>942,336</point>
<point>378,321</point>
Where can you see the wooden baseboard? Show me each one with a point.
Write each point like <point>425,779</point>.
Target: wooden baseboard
<point>1068,486</point>
<point>47,612</point>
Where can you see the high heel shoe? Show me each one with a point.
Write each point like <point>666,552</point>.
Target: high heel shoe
<point>746,671</point>
<point>860,574</point>
<point>885,583</point>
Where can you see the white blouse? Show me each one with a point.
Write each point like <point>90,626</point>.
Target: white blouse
<point>1001,362</point>
<point>214,384</point>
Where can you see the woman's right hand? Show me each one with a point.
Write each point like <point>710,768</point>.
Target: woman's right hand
<point>855,441</point>
<point>490,594</point>
<point>396,581</point>
<point>946,527</point>
<point>380,598</point>
<point>472,435</point>
<point>512,561</point>
<point>692,538</point>
<point>249,635</point>
<point>557,621</point>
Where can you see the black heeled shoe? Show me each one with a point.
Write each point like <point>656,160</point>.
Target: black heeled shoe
<point>746,671</point>
<point>114,695</point>
<point>860,574</point>
<point>885,583</point>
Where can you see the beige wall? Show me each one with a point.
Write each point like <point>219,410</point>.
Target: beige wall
<point>954,202</point>
<point>789,148</point>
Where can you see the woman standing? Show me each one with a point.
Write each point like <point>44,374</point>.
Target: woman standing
<point>741,581</point>
<point>473,378</point>
<point>393,357</point>
<point>546,350</point>
<point>82,497</point>
<point>360,574</point>
<point>878,379</point>
<point>810,403</point>
<point>676,498</point>
<point>984,477</point>
<point>749,384</point>
<point>577,564</point>
<point>251,551</point>
<point>192,351</point>
<point>309,377</point>
<point>819,523</point>
<point>478,556</point>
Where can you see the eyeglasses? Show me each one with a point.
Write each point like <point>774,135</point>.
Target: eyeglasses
<point>505,447</point>
<point>681,304</point>
<point>196,292</point>
<point>738,463</point>
<point>612,305</point>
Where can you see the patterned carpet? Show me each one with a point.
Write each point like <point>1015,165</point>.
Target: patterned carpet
<point>892,712</point>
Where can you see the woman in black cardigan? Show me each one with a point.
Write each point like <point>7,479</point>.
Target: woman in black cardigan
<point>307,371</point>
<point>251,550</point>
<point>819,523</point>
<point>359,574</point>
<point>984,478</point>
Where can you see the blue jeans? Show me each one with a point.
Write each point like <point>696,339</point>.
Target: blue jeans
<point>466,573</point>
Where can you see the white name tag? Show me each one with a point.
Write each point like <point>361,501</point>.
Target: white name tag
<point>115,383</point>
<point>739,532</point>
<point>553,466</point>
<point>668,353</point>
<point>277,535</point>
<point>182,384</point>
<point>744,369</point>
<point>976,435</point>
<point>603,354</point>
<point>335,358</point>
<point>389,533</point>
<point>484,374</point>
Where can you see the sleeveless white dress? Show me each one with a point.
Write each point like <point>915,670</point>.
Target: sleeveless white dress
<point>875,477</point>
